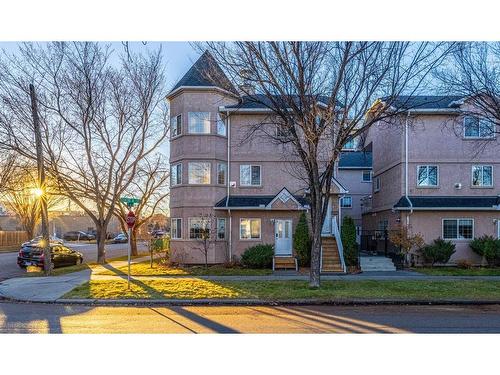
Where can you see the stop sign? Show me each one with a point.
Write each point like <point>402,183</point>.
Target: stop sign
<point>130,219</point>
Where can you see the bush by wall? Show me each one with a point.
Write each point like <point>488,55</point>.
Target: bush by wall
<point>487,247</point>
<point>259,256</point>
<point>440,251</point>
<point>348,235</point>
<point>302,241</point>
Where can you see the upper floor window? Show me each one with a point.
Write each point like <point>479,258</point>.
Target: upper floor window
<point>351,144</point>
<point>176,125</point>
<point>367,176</point>
<point>458,229</point>
<point>427,175</point>
<point>221,125</point>
<point>176,228</point>
<point>199,172</point>
<point>250,175</point>
<point>482,175</point>
<point>475,127</point>
<point>176,174</point>
<point>221,173</point>
<point>346,202</point>
<point>199,122</point>
<point>376,184</point>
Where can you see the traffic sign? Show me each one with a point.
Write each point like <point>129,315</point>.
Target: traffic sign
<point>130,201</point>
<point>130,219</point>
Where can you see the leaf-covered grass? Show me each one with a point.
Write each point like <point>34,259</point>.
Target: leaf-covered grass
<point>455,271</point>
<point>193,288</point>
<point>144,269</point>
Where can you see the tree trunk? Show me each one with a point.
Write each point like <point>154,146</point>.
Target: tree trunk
<point>101,241</point>
<point>314,275</point>
<point>133,242</point>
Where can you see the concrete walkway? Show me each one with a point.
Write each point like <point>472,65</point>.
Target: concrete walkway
<point>51,289</point>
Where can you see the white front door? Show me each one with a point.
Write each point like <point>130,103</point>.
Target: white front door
<point>283,237</point>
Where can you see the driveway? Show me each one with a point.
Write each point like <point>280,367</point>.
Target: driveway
<point>9,268</point>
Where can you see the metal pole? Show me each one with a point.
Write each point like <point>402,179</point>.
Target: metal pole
<point>41,183</point>
<point>129,251</point>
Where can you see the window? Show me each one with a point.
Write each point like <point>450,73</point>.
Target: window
<point>199,122</point>
<point>249,229</point>
<point>199,173</point>
<point>351,144</point>
<point>427,175</point>
<point>482,175</point>
<point>221,228</point>
<point>382,225</point>
<point>176,125</point>
<point>176,228</point>
<point>474,127</point>
<point>346,202</point>
<point>458,229</point>
<point>221,125</point>
<point>367,176</point>
<point>250,175</point>
<point>221,173</point>
<point>176,174</point>
<point>376,185</point>
<point>198,228</point>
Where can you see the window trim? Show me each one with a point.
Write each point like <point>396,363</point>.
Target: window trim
<point>225,228</point>
<point>260,175</point>
<point>217,174</point>
<point>219,119</point>
<point>472,177</point>
<point>178,174</point>
<point>209,171</point>
<point>437,177</point>
<point>260,228</point>
<point>457,219</point>
<point>479,119</point>
<point>342,200</point>
<point>177,227</point>
<point>180,127</point>
<point>209,123</point>
<point>189,227</point>
<point>376,184</point>
<point>363,174</point>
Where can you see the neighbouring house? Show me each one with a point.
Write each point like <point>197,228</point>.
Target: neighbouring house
<point>241,188</point>
<point>436,169</point>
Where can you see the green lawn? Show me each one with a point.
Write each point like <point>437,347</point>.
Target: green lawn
<point>144,269</point>
<point>193,288</point>
<point>454,271</point>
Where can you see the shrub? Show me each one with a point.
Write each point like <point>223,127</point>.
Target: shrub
<point>487,247</point>
<point>438,252</point>
<point>259,256</point>
<point>302,241</point>
<point>464,264</point>
<point>348,236</point>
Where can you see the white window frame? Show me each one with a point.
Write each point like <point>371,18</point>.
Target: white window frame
<point>189,226</point>
<point>219,219</point>
<point>457,221</point>
<point>174,124</point>
<point>178,225</point>
<point>178,174</point>
<point>221,120</point>
<point>479,136</point>
<point>225,173</point>
<point>355,142</point>
<point>342,201</point>
<point>427,168</point>
<point>190,114</point>
<point>376,184</point>
<point>363,175</point>
<point>209,172</point>
<point>250,221</point>
<point>251,166</point>
<point>482,168</point>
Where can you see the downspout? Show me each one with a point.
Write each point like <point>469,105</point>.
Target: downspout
<point>406,170</point>
<point>230,244</point>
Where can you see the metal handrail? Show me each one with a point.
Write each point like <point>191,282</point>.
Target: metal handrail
<point>336,233</point>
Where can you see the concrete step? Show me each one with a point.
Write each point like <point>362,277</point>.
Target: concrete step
<point>376,263</point>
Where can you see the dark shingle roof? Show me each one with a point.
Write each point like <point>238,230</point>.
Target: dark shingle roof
<point>261,101</point>
<point>355,159</point>
<point>252,200</point>
<point>206,72</point>
<point>426,101</point>
<point>444,202</point>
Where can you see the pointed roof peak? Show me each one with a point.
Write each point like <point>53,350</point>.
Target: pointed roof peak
<point>205,72</point>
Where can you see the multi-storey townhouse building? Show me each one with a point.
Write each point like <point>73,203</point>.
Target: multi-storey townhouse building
<point>243,188</point>
<point>436,169</point>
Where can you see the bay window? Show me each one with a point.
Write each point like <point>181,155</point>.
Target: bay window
<point>199,122</point>
<point>198,228</point>
<point>199,173</point>
<point>221,173</point>
<point>176,125</point>
<point>176,228</point>
<point>176,174</point>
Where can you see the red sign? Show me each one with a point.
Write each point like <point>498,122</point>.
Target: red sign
<point>130,219</point>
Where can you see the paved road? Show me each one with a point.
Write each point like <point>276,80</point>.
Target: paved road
<point>9,268</point>
<point>44,318</point>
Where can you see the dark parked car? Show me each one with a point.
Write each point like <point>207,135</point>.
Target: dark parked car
<point>78,236</point>
<point>32,255</point>
<point>121,238</point>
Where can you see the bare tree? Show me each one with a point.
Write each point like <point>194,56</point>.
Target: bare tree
<point>472,71</point>
<point>320,94</point>
<point>205,233</point>
<point>151,187</point>
<point>99,120</point>
<point>7,166</point>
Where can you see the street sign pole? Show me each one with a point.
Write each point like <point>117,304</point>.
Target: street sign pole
<point>130,219</point>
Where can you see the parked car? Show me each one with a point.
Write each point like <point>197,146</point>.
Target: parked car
<point>157,233</point>
<point>37,239</point>
<point>77,236</point>
<point>32,255</point>
<point>121,238</point>
<point>109,235</point>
